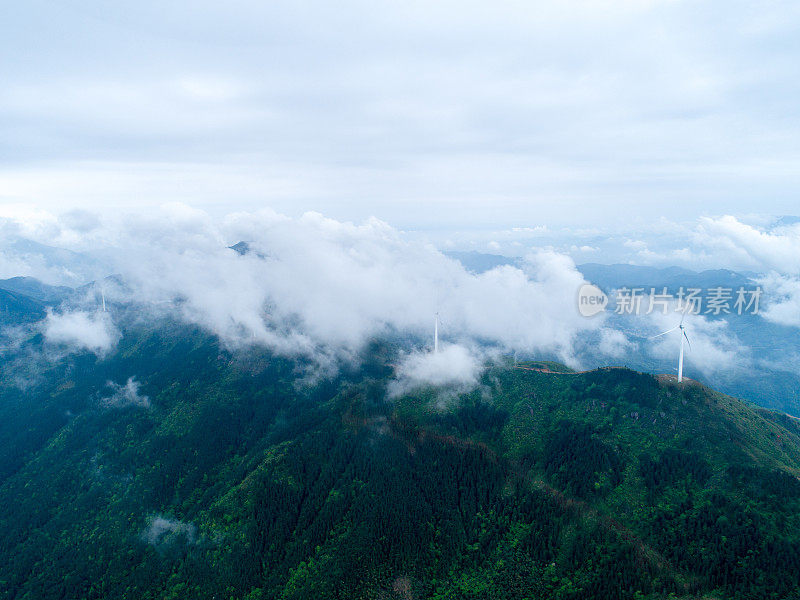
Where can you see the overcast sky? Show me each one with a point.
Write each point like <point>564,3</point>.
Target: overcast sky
<point>429,115</point>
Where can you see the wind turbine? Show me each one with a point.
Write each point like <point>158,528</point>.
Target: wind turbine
<point>103,296</point>
<point>683,337</point>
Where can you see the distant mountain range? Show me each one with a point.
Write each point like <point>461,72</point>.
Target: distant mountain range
<point>785,221</point>
<point>772,375</point>
<point>35,289</point>
<point>54,264</point>
<point>18,308</point>
<point>609,277</point>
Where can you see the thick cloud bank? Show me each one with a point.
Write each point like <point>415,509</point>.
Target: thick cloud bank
<point>318,287</point>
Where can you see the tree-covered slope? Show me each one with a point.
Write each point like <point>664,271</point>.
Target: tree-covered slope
<point>176,469</point>
<point>17,308</point>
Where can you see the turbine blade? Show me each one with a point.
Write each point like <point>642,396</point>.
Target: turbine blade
<point>664,332</point>
<point>686,308</point>
<point>687,339</point>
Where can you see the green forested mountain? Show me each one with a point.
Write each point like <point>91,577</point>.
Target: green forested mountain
<point>173,468</point>
<point>18,308</point>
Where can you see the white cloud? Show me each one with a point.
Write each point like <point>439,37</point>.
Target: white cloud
<point>164,531</point>
<point>615,343</point>
<point>125,395</point>
<point>712,348</point>
<point>777,250</point>
<point>637,245</point>
<point>454,366</point>
<point>79,331</point>
<point>782,299</point>
<point>318,286</point>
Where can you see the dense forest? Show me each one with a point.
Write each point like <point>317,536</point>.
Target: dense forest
<point>174,468</point>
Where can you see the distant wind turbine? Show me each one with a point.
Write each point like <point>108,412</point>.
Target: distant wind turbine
<point>103,296</point>
<point>683,337</point>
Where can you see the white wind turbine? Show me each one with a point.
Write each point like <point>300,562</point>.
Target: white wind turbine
<point>683,337</point>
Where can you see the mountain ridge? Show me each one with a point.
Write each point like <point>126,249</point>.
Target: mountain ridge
<point>237,480</point>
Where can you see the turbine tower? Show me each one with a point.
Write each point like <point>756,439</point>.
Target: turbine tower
<point>684,337</point>
<point>103,296</point>
<point>680,354</point>
<point>436,333</point>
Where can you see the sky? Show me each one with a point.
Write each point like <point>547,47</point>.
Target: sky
<point>460,120</point>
